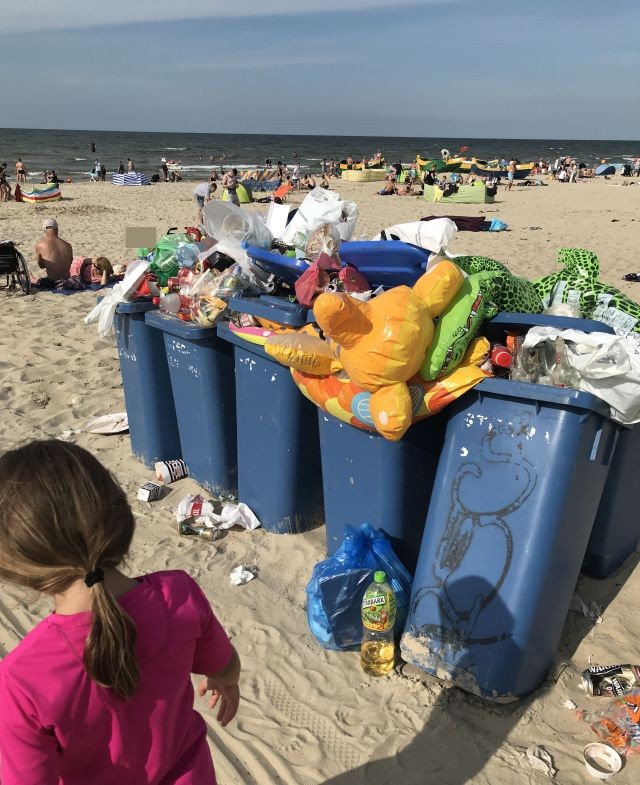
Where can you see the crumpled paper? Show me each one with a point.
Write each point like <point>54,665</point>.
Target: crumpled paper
<point>241,575</point>
<point>232,514</point>
<point>540,760</point>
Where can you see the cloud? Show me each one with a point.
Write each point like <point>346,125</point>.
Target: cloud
<point>33,15</point>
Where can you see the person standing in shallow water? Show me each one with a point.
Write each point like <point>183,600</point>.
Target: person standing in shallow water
<point>21,172</point>
<point>130,165</point>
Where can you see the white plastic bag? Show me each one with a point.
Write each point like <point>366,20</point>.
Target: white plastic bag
<point>122,292</point>
<point>321,207</point>
<point>234,226</point>
<point>433,236</point>
<point>607,365</point>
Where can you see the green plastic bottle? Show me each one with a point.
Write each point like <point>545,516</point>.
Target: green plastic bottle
<point>377,652</point>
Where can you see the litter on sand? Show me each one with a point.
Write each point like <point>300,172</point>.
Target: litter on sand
<point>241,575</point>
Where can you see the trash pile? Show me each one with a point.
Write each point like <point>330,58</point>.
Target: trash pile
<point>516,480</point>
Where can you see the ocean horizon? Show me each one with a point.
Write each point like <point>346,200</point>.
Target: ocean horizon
<point>70,153</point>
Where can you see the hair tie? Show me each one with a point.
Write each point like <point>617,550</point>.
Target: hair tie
<point>96,576</point>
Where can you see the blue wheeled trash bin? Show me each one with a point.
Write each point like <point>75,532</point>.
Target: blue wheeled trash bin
<point>201,372</point>
<point>279,473</point>
<point>516,493</point>
<point>616,531</point>
<point>369,479</point>
<point>148,396</point>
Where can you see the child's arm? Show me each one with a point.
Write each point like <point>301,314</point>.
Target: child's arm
<point>224,688</point>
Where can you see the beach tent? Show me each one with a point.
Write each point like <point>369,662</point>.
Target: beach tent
<point>476,193</point>
<point>244,194</point>
<point>41,194</point>
<point>130,178</point>
<point>605,169</point>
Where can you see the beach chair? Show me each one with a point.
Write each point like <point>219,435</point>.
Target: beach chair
<point>282,191</point>
<point>14,268</point>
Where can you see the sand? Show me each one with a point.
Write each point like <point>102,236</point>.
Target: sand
<point>307,715</point>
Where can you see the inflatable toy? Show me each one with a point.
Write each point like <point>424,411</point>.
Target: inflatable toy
<point>578,284</point>
<point>303,350</point>
<point>339,396</point>
<point>460,322</point>
<point>517,295</point>
<point>381,343</point>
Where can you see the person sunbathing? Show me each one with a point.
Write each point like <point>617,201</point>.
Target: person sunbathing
<point>54,255</point>
<point>388,189</point>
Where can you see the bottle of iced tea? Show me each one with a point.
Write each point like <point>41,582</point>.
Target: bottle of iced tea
<point>377,652</point>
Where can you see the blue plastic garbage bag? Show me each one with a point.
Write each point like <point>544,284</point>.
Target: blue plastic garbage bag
<point>337,585</point>
<point>498,226</point>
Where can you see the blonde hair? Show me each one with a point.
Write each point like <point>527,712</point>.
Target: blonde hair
<point>103,264</point>
<point>62,516</point>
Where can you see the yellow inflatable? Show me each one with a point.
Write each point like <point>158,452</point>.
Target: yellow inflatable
<point>381,344</point>
<point>303,350</point>
<point>338,395</point>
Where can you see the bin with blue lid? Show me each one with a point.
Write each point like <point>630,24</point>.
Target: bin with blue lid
<point>201,370</point>
<point>148,396</point>
<point>616,530</point>
<point>518,485</point>
<point>279,472</point>
<point>369,479</point>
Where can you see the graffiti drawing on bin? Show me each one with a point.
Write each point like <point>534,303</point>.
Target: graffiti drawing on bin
<point>488,487</point>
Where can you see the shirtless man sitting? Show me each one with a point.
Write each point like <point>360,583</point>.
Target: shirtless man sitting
<point>54,255</point>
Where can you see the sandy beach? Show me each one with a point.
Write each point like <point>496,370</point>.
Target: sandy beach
<point>310,716</point>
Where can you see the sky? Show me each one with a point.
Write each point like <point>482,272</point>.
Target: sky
<point>554,69</point>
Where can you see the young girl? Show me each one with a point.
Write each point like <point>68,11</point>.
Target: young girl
<point>100,691</point>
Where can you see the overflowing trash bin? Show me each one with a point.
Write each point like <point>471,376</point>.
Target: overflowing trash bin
<point>148,396</point>
<point>201,370</point>
<point>517,490</point>
<point>369,479</point>
<point>616,531</point>
<point>279,471</point>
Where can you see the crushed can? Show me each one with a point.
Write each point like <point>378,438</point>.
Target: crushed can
<point>611,681</point>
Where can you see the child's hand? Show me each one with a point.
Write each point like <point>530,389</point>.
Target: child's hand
<point>229,698</point>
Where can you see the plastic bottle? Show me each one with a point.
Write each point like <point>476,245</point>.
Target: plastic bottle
<point>377,652</point>
<point>563,374</point>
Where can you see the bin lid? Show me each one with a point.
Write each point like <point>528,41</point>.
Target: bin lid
<point>286,268</point>
<point>137,306</point>
<point>523,321</point>
<point>171,324</point>
<point>277,309</point>
<point>542,394</point>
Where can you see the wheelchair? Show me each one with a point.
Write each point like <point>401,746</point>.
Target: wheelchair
<point>13,268</point>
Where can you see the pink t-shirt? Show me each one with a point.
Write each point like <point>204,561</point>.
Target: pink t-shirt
<point>58,727</point>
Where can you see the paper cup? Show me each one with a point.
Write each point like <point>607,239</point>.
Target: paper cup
<point>601,760</point>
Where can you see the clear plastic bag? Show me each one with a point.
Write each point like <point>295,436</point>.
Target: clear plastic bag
<point>334,593</point>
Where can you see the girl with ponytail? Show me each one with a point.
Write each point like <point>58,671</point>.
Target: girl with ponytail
<point>100,691</point>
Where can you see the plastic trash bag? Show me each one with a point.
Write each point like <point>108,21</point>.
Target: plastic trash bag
<point>122,292</point>
<point>164,262</point>
<point>321,207</point>
<point>337,585</point>
<point>434,236</point>
<point>607,367</point>
<point>234,226</point>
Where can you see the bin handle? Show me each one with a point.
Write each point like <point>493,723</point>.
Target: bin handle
<point>603,453</point>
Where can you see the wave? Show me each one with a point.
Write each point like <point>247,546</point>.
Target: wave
<point>175,148</point>
<point>79,159</point>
